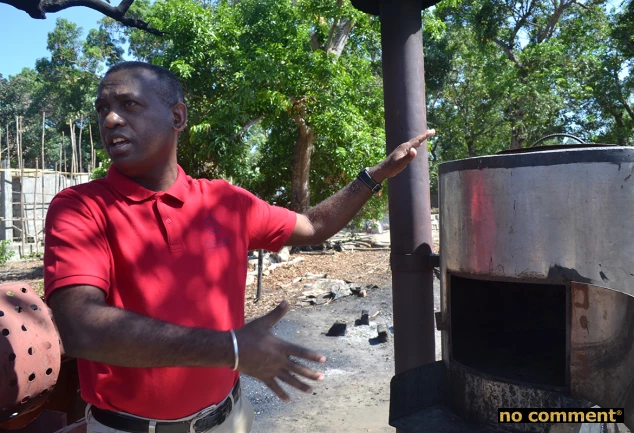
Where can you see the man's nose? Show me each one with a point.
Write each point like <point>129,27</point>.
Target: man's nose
<point>113,119</point>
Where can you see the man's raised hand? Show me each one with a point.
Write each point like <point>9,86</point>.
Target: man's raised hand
<point>400,157</point>
<point>269,359</point>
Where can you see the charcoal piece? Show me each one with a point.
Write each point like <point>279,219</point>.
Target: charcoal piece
<point>337,330</point>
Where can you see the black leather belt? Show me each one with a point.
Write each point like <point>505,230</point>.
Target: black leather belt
<point>126,423</point>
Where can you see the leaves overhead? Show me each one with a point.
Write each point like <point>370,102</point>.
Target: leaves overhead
<point>264,78</point>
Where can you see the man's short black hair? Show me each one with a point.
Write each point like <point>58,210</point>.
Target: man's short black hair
<point>169,87</point>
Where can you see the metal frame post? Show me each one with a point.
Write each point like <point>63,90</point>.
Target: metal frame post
<point>410,212</point>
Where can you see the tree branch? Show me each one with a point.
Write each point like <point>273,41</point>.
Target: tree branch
<point>582,5</point>
<point>509,53</point>
<point>523,19</point>
<point>340,36</point>
<point>249,124</point>
<point>39,8</point>
<point>547,32</point>
<point>622,99</point>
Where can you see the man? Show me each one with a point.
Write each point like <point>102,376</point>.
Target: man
<point>145,271</point>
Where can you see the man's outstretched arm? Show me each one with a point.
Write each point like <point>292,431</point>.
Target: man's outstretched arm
<point>92,330</point>
<point>331,215</point>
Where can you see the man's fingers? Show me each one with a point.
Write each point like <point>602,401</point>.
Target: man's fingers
<point>294,382</point>
<point>277,389</point>
<point>302,352</point>
<point>275,315</point>
<point>417,141</point>
<point>304,371</point>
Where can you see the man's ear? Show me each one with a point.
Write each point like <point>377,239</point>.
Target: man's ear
<point>179,116</point>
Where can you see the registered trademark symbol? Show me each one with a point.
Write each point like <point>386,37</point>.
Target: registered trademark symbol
<point>619,412</point>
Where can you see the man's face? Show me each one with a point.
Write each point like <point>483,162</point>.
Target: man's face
<point>136,126</point>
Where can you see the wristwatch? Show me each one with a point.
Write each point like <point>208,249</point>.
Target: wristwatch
<point>364,176</point>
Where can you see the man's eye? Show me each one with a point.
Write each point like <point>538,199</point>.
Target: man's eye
<point>129,103</point>
<point>100,108</point>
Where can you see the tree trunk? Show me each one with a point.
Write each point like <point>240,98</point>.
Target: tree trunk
<point>517,138</point>
<point>470,148</point>
<point>300,184</point>
<point>339,36</point>
<point>620,131</point>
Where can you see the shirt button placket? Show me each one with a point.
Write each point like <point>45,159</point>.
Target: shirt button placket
<point>172,241</point>
<point>166,221</point>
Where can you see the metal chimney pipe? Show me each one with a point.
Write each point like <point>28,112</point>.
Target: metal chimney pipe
<point>410,212</point>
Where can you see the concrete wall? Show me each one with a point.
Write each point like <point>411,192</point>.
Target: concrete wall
<point>6,199</point>
<point>28,188</point>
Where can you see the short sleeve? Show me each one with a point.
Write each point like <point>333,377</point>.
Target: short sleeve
<point>268,226</point>
<point>76,250</point>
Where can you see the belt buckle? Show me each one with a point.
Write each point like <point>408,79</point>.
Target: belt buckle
<point>193,422</point>
<point>225,411</point>
<point>218,416</point>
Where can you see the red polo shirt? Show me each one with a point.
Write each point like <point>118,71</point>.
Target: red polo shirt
<point>178,256</point>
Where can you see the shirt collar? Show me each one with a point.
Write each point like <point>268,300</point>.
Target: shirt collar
<point>135,192</point>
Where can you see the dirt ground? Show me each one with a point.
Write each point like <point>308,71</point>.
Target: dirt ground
<point>354,396</point>
<point>368,267</point>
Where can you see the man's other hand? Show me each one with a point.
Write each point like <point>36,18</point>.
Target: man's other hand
<point>268,358</point>
<point>399,158</point>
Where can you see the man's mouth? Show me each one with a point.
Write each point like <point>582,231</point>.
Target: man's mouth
<point>118,145</point>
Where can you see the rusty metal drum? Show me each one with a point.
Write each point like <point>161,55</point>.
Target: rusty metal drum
<point>30,353</point>
<point>537,291</point>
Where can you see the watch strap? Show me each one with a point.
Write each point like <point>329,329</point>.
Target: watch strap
<point>364,176</point>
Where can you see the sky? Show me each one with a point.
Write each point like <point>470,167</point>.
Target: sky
<point>23,39</point>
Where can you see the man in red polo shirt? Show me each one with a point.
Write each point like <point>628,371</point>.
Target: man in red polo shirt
<point>145,271</point>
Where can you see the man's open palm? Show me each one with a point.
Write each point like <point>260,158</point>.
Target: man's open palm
<point>268,358</point>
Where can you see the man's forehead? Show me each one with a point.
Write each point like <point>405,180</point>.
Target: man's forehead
<point>127,81</point>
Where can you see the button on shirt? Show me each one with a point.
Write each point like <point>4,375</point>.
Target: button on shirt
<point>179,256</point>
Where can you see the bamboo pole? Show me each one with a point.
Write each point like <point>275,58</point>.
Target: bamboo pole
<point>59,168</point>
<point>17,134</point>
<point>39,219</point>
<point>8,149</point>
<point>92,149</point>
<point>21,167</point>
<point>43,163</point>
<point>72,151</point>
<point>65,158</point>
<point>43,132</point>
<point>35,237</point>
<point>81,129</point>
<point>57,175</point>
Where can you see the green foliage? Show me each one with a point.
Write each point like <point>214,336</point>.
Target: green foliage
<point>33,256</point>
<point>520,70</point>
<point>254,71</point>
<point>101,170</point>
<point>6,253</point>
<point>259,74</point>
<point>63,86</point>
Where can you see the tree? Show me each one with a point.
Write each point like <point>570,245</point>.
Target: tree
<point>301,76</point>
<point>532,68</point>
<point>602,69</point>
<point>62,88</point>
<point>39,8</point>
<point>469,105</point>
<point>534,80</point>
<point>16,96</point>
